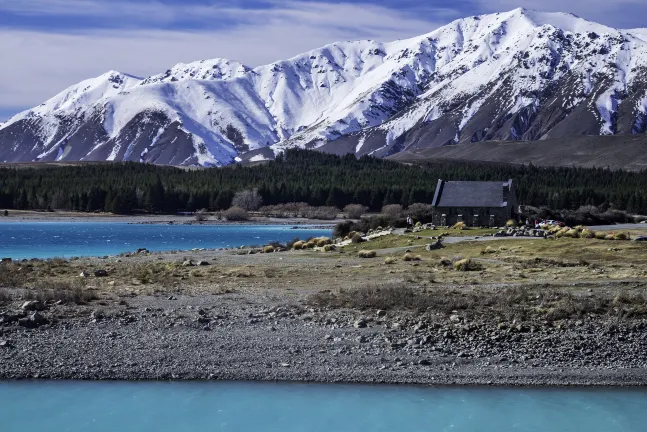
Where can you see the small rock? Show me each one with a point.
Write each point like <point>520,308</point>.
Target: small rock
<point>424,362</point>
<point>203,263</point>
<point>33,305</point>
<point>188,263</point>
<point>142,251</point>
<point>381,313</point>
<point>100,273</point>
<point>6,344</point>
<point>84,274</point>
<point>285,365</point>
<point>360,323</point>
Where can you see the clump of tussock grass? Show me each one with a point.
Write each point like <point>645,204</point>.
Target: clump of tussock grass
<point>459,226</point>
<point>587,234</point>
<point>599,235</point>
<point>268,249</point>
<point>298,245</point>
<point>467,264</point>
<point>329,248</point>
<point>54,291</point>
<point>357,238</point>
<point>367,254</point>
<point>411,257</point>
<point>511,223</point>
<point>390,260</point>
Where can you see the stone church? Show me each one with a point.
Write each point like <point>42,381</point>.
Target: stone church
<point>476,203</point>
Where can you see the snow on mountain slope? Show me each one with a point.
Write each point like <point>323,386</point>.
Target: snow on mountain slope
<point>519,75</point>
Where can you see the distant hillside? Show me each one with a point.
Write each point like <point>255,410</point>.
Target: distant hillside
<point>616,152</point>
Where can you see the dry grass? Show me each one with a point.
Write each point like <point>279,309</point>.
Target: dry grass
<point>54,291</point>
<point>510,303</point>
<point>411,257</point>
<point>367,254</point>
<point>298,245</point>
<point>467,264</point>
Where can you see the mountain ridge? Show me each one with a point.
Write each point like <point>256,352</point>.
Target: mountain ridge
<point>515,76</point>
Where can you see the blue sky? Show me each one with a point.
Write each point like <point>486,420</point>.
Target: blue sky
<point>48,45</point>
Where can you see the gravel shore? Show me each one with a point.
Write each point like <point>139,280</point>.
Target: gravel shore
<point>276,336</point>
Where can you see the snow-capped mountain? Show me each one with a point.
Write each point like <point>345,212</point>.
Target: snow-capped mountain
<point>520,75</point>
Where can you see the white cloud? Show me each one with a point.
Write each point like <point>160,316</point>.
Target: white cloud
<point>37,65</point>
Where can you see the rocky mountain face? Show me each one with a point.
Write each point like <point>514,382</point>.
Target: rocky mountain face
<point>520,75</point>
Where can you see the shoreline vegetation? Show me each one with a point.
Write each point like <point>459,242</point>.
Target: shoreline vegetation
<point>479,310</point>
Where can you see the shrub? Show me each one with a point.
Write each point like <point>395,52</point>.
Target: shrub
<point>390,260</point>
<point>600,235</point>
<point>620,236</point>
<point>342,229</point>
<point>488,250</point>
<point>610,237</point>
<point>421,212</point>
<point>367,254</point>
<point>459,226</point>
<point>410,257</point>
<point>511,223</point>
<point>467,264</point>
<point>357,238</point>
<point>355,211</point>
<point>298,245</point>
<point>268,249</point>
<point>392,210</point>
<point>236,214</point>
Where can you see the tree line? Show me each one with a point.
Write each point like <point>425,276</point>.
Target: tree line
<point>303,176</point>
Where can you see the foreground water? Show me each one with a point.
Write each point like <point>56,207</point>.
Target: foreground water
<point>265,407</point>
<point>67,239</point>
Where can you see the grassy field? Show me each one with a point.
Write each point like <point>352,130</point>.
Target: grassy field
<point>480,276</point>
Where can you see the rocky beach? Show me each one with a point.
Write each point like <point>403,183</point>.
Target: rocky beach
<point>321,317</point>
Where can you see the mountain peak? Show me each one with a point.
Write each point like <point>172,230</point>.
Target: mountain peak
<point>516,75</point>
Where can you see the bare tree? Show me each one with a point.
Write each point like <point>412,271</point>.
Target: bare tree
<point>201,215</point>
<point>249,200</point>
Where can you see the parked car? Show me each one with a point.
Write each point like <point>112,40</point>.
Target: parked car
<point>641,238</point>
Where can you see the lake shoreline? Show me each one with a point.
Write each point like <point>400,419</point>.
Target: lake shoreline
<point>252,337</point>
<point>33,216</point>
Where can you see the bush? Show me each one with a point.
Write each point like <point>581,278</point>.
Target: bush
<point>268,249</point>
<point>342,229</point>
<point>392,210</point>
<point>621,236</point>
<point>355,211</point>
<point>236,214</point>
<point>511,223</point>
<point>467,265</point>
<point>421,212</point>
<point>459,226</point>
<point>357,239</point>
<point>600,235</point>
<point>367,254</point>
<point>390,260</point>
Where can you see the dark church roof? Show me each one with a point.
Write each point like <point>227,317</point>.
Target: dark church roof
<point>470,194</point>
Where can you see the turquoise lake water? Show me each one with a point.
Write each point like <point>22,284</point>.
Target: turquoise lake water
<point>20,240</point>
<point>270,407</point>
